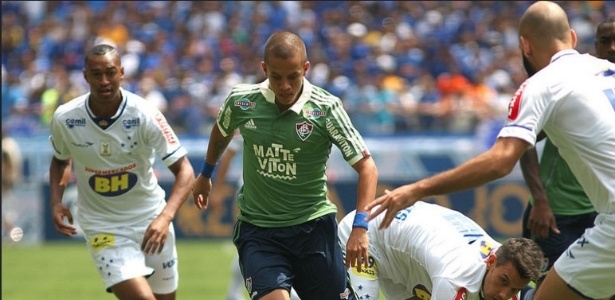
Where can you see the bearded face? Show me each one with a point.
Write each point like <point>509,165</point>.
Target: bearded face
<point>528,66</point>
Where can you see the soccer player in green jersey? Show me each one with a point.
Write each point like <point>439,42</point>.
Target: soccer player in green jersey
<point>286,230</point>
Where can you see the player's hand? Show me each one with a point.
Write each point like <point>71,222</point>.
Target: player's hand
<point>391,202</point>
<point>357,249</point>
<point>156,235</point>
<point>200,191</point>
<point>541,221</point>
<point>58,212</point>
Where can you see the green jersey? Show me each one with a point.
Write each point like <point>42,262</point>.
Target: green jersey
<point>564,193</point>
<point>285,153</point>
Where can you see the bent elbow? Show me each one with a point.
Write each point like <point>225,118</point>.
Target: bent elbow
<point>501,168</point>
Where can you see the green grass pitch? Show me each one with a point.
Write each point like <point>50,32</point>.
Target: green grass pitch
<point>55,271</point>
<point>64,271</point>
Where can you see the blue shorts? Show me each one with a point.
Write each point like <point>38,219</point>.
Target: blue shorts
<point>570,227</point>
<point>307,257</point>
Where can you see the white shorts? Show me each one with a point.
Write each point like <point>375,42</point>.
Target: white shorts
<point>118,257</point>
<point>588,265</point>
<point>369,286</point>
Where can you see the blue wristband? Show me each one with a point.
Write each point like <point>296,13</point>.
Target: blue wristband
<point>360,220</point>
<point>207,169</point>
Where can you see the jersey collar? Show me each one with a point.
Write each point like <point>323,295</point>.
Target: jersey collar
<point>558,55</point>
<point>106,122</point>
<point>303,98</point>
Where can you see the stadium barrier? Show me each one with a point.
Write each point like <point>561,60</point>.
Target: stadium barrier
<point>497,206</point>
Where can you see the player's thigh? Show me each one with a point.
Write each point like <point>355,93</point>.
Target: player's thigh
<point>165,279</point>
<point>264,260</point>
<point>278,294</point>
<point>320,272</point>
<point>135,288</point>
<point>587,265</point>
<point>554,287</point>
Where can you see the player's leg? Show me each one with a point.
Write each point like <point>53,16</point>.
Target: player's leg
<point>135,288</point>
<point>265,261</point>
<point>293,295</point>
<point>319,264</point>
<point>554,287</point>
<point>585,270</point>
<point>165,280</point>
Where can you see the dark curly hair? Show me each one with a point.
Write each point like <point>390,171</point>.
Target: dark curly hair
<point>526,256</point>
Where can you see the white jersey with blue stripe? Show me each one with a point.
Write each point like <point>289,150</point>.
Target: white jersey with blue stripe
<point>571,100</point>
<point>113,158</point>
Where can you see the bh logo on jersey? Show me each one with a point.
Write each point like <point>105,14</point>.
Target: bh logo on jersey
<point>113,184</point>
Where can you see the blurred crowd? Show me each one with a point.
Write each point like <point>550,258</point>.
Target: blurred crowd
<point>399,66</point>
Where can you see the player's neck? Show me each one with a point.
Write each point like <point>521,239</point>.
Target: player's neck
<point>104,110</point>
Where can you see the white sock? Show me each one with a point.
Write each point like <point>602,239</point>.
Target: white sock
<point>236,288</point>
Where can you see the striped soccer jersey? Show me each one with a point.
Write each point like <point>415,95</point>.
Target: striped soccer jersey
<point>285,153</point>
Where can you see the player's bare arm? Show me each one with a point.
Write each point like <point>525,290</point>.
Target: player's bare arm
<point>357,244</point>
<point>59,175</point>
<point>492,164</point>
<point>215,149</point>
<point>156,234</point>
<point>541,218</point>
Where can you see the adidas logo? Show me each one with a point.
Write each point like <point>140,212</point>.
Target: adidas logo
<point>250,125</point>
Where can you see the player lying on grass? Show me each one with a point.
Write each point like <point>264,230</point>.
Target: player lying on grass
<point>432,252</point>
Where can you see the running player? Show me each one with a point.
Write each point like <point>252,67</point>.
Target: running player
<point>286,233</point>
<point>111,137</point>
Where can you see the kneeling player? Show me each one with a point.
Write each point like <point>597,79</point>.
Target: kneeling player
<point>432,252</point>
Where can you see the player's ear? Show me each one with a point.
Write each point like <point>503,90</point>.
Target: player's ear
<point>306,67</point>
<point>524,45</point>
<point>85,76</point>
<point>490,260</point>
<point>573,36</point>
<point>264,68</point>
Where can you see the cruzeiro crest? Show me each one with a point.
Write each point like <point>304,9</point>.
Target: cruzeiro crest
<point>304,130</point>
